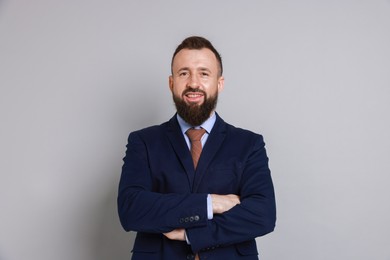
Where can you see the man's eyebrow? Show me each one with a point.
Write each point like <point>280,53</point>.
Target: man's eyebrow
<point>198,69</point>
<point>204,69</point>
<point>184,68</point>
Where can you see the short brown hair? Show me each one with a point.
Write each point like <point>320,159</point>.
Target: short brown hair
<point>197,43</point>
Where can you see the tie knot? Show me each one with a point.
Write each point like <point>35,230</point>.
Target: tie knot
<point>195,134</point>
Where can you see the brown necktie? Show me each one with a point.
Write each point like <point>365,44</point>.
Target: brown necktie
<point>196,146</point>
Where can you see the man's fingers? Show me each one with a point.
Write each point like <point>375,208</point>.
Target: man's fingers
<point>223,203</point>
<point>176,234</point>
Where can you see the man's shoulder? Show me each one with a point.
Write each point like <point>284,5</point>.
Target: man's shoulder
<point>238,131</point>
<point>243,138</point>
<point>153,129</point>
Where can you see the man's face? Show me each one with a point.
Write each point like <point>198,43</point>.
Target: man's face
<point>195,83</point>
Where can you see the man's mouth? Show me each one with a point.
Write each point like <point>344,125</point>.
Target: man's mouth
<point>194,97</point>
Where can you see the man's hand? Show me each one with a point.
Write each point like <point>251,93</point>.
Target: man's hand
<point>176,234</point>
<point>223,203</point>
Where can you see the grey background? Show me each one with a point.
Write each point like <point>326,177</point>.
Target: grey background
<point>77,76</point>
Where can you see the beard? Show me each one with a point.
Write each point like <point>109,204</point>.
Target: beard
<point>195,114</point>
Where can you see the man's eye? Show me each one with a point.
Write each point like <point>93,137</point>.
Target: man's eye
<point>181,74</point>
<point>205,74</point>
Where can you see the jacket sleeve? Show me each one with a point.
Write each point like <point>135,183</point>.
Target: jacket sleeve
<point>141,209</point>
<point>255,216</point>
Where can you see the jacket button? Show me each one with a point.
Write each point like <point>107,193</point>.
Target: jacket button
<point>181,220</point>
<point>192,219</point>
<point>190,256</point>
<point>196,218</point>
<point>186,219</point>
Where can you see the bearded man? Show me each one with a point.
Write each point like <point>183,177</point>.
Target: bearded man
<point>196,187</point>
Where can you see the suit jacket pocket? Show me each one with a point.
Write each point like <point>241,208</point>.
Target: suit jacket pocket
<point>147,243</point>
<point>247,248</point>
<point>223,178</point>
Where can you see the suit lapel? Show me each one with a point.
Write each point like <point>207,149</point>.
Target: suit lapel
<point>180,147</point>
<point>214,142</point>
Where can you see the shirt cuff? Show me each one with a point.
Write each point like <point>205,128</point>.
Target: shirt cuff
<point>185,234</point>
<point>209,207</point>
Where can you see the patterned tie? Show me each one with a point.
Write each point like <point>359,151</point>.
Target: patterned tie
<point>196,146</point>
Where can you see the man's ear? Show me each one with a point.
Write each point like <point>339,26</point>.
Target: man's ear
<point>221,83</point>
<point>171,82</point>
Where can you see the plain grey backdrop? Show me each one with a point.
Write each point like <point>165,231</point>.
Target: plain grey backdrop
<point>77,76</point>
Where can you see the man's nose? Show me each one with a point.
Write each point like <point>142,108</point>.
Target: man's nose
<point>193,81</point>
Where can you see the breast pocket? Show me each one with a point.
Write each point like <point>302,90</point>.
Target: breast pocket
<point>223,178</point>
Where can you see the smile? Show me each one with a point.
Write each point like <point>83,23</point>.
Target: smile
<point>194,97</point>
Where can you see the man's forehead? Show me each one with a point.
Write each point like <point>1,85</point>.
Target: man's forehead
<point>204,56</point>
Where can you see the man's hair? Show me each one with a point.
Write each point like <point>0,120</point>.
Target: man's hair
<point>198,43</point>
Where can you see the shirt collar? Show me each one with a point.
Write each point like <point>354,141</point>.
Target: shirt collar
<point>207,125</point>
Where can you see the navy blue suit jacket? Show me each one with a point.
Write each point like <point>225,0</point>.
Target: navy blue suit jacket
<point>160,191</point>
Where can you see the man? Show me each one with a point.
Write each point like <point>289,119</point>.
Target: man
<point>184,206</point>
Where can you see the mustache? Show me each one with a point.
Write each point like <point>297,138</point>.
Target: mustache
<point>192,90</point>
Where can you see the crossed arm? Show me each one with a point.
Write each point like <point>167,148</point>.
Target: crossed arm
<point>250,215</point>
<point>220,204</point>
